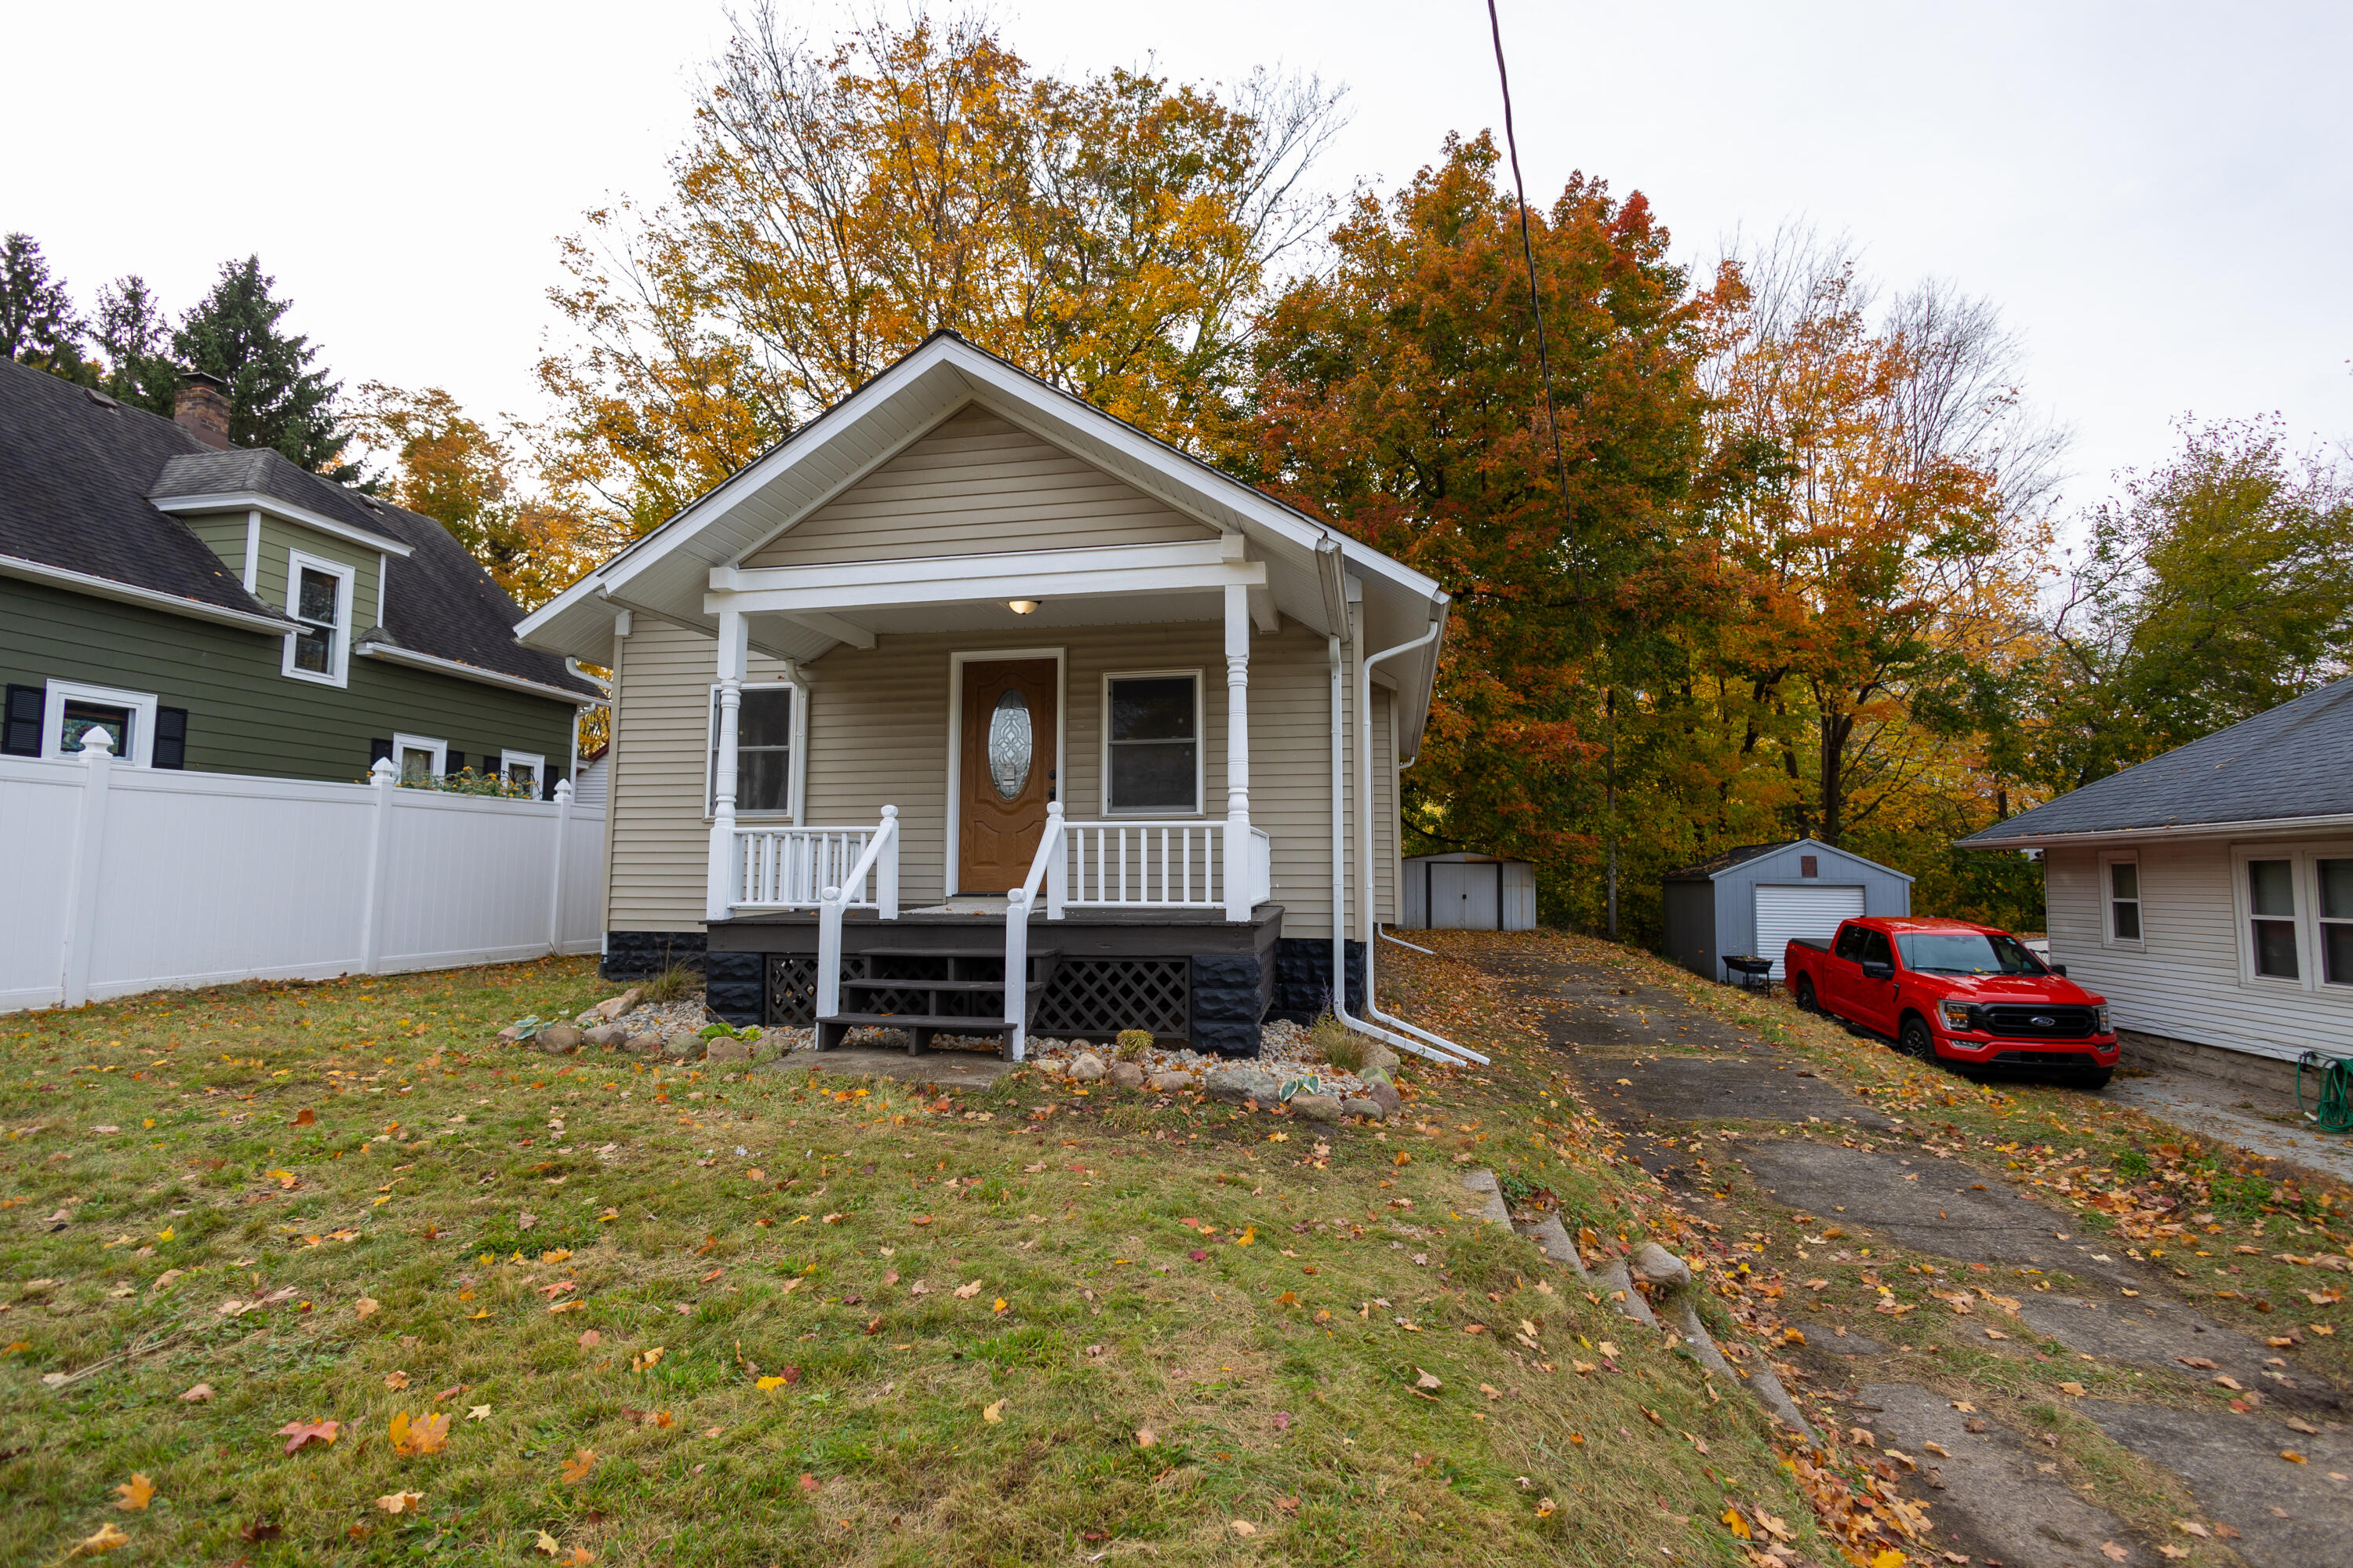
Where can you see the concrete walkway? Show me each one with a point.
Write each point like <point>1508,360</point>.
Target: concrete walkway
<point>2226,1111</point>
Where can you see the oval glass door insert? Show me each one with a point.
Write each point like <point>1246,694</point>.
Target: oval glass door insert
<point>1009,746</point>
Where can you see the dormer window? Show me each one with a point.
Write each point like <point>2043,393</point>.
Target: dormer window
<point>319,596</point>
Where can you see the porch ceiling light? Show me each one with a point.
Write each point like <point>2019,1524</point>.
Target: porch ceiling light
<point>1021,606</point>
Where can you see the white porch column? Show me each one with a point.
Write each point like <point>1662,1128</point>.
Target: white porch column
<point>1238,825</point>
<point>734,650</point>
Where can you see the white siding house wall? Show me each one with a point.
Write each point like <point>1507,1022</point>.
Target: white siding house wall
<point>2187,979</point>
<point>127,879</point>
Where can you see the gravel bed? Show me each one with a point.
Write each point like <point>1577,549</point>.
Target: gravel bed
<point>1284,1049</point>
<point>668,1018</point>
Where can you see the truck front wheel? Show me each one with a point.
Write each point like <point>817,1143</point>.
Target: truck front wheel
<point>1914,1039</point>
<point>1806,1002</point>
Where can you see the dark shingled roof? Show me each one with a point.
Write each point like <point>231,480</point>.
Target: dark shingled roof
<point>1725,861</point>
<point>2294,761</point>
<point>75,474</point>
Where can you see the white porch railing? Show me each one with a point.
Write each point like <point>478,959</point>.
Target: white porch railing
<point>791,868</point>
<point>1150,865</point>
<point>879,858</point>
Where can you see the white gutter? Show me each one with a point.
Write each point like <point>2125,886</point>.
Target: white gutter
<point>126,593</point>
<point>472,673</point>
<point>2327,822</point>
<point>1449,1053</point>
<point>285,512</point>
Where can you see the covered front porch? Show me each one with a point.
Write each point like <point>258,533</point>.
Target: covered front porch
<point>1007,874</point>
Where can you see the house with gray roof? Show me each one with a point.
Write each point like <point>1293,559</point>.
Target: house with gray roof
<point>2209,892</point>
<point>220,608</point>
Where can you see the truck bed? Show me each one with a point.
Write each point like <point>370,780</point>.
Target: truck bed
<point>1813,944</point>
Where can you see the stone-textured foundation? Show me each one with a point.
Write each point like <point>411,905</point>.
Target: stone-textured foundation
<point>635,955</point>
<point>2264,1076</point>
<point>1303,978</point>
<point>731,987</point>
<point>1230,993</point>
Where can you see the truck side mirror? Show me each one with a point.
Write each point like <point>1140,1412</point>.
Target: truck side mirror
<point>1878,969</point>
<point>2058,970</point>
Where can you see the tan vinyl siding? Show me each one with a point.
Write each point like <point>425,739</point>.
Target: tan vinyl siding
<point>877,733</point>
<point>974,485</point>
<point>661,839</point>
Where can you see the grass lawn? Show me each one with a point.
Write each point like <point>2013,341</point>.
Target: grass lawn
<point>681,1318</point>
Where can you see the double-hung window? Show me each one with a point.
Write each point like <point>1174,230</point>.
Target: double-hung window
<point>2121,892</point>
<point>1152,743</point>
<point>765,721</point>
<point>319,598</point>
<point>2334,879</point>
<point>2270,917</point>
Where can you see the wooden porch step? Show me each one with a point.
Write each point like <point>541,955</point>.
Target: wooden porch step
<point>859,950</point>
<point>904,982</point>
<point>919,1027</point>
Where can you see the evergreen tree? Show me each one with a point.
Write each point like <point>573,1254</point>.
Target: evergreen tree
<point>38,323</point>
<point>276,398</point>
<point>134,342</point>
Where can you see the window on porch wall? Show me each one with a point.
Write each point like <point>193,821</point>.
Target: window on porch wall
<point>764,752</point>
<point>1153,738</point>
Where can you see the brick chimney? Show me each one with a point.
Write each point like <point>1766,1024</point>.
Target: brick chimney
<point>202,409</point>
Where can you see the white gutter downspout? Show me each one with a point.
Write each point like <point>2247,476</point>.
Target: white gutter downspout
<point>1365,878</point>
<point>1447,1052</point>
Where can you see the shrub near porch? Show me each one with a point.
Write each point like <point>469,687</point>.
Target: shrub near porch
<point>690,1317</point>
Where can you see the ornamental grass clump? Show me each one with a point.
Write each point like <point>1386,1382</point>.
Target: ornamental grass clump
<point>1334,1042</point>
<point>1131,1043</point>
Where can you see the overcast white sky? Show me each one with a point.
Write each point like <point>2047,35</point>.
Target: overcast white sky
<point>2155,196</point>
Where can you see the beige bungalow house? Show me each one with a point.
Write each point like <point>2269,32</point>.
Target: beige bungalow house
<point>971,709</point>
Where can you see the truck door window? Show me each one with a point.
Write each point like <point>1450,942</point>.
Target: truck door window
<point>1850,944</point>
<point>1875,950</point>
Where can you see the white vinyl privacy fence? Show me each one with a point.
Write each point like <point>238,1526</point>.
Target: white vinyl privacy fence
<point>121,879</point>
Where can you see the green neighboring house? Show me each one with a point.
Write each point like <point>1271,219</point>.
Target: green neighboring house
<point>219,608</point>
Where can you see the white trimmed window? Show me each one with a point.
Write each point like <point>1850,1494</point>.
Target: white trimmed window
<point>2120,898</point>
<point>70,710</point>
<point>1152,729</point>
<point>525,767</point>
<point>319,596</point>
<point>2269,885</point>
<point>419,758</point>
<point>769,726</point>
<point>2333,879</point>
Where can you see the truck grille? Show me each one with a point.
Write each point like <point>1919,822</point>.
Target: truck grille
<point>2014,1022</point>
<point>2042,1058</point>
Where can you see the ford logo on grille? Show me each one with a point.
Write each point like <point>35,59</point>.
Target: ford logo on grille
<point>2044,1021</point>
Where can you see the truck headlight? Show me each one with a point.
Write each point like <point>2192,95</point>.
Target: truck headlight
<point>1960,1016</point>
<point>2100,1014</point>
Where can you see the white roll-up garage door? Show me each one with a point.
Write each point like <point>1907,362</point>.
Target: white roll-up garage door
<point>1784,913</point>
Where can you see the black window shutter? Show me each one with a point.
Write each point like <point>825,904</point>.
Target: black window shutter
<point>457,763</point>
<point>378,751</point>
<point>20,734</point>
<point>170,738</point>
<point>547,785</point>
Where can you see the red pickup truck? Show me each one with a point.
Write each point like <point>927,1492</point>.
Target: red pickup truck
<point>1949,991</point>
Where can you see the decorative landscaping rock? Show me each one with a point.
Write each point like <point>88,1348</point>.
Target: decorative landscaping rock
<point>1316,1107</point>
<point>1168,1083</point>
<point>1126,1075</point>
<point>683,1048</point>
<point>1654,1264</point>
<point>1357,1105</point>
<point>512,1034</point>
<point>1379,1058</point>
<point>728,1050</point>
<point>1087,1068</point>
<point>1385,1095</point>
<point>604,1036</point>
<point>558,1039</point>
<point>643,1044</point>
<point>1232,1085</point>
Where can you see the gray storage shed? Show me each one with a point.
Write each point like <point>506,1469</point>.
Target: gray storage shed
<point>1755,898</point>
<point>1469,892</point>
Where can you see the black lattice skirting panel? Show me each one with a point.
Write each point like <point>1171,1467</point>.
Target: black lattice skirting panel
<point>1103,996</point>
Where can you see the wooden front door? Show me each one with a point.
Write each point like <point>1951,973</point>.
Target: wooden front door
<point>1005,775</point>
